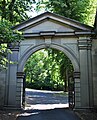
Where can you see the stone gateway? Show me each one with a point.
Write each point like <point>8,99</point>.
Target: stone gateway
<point>49,30</point>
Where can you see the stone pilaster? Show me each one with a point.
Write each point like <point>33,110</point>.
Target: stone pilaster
<point>19,89</point>
<point>77,90</point>
<point>90,69</point>
<point>84,46</point>
<point>10,95</point>
<point>94,63</point>
<point>2,87</point>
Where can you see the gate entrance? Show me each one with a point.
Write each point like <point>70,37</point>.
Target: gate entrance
<point>50,30</point>
<point>46,70</point>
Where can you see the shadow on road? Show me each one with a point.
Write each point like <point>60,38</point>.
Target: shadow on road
<point>53,114</point>
<point>46,105</point>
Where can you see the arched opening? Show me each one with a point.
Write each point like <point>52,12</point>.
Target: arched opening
<point>65,49</point>
<point>69,53</point>
<point>49,80</point>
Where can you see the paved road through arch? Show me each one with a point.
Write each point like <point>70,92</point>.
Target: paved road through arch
<point>46,105</point>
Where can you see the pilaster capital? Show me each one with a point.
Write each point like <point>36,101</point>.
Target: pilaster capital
<point>84,44</point>
<point>76,74</point>
<point>14,46</point>
<point>20,75</point>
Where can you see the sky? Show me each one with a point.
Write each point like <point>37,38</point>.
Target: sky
<point>33,13</point>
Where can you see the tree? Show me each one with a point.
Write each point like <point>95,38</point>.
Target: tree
<point>46,69</point>
<point>80,10</point>
<point>64,64</point>
<point>11,12</point>
<point>15,10</point>
<point>7,36</point>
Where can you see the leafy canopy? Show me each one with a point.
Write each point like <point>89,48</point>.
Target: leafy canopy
<point>46,69</point>
<point>15,10</point>
<point>80,10</point>
<point>7,36</point>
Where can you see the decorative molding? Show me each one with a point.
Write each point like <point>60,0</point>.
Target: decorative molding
<point>48,41</point>
<point>76,74</point>
<point>14,46</point>
<point>47,33</point>
<point>20,74</point>
<point>56,33</point>
<point>84,44</point>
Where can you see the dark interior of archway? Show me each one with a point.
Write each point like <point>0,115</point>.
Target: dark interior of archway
<point>47,69</point>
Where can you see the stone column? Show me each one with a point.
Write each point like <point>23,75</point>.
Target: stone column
<point>10,95</point>
<point>77,90</point>
<point>19,89</point>
<point>85,72</point>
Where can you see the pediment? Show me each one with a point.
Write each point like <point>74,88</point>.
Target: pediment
<point>48,25</point>
<point>51,22</point>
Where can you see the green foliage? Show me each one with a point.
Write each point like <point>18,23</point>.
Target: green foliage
<point>7,36</point>
<point>15,10</point>
<point>45,70</point>
<point>80,10</point>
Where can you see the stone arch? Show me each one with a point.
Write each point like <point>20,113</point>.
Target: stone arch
<point>66,50</point>
<point>32,49</point>
<point>54,33</point>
